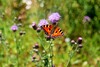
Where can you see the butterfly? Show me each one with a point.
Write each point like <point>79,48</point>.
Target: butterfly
<point>52,31</point>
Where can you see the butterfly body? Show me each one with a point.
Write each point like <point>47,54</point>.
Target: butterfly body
<point>52,31</point>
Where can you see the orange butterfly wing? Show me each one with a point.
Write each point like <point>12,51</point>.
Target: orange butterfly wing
<point>47,29</point>
<point>57,32</point>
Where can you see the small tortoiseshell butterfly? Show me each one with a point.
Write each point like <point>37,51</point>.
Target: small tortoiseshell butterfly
<point>52,31</point>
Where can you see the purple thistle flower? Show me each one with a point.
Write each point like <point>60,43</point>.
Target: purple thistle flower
<point>14,28</point>
<point>54,17</point>
<point>43,22</point>
<point>86,19</point>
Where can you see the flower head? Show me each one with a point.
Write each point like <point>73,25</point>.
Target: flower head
<point>54,17</point>
<point>42,22</point>
<point>48,38</point>
<point>33,58</point>
<point>86,19</point>
<point>80,46</point>
<point>22,32</point>
<point>34,26</point>
<point>72,41</point>
<point>79,40</point>
<point>38,29</point>
<point>36,46</point>
<point>14,28</point>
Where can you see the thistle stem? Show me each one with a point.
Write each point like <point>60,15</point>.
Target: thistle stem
<point>41,55</point>
<point>71,55</point>
<point>17,48</point>
<point>51,53</point>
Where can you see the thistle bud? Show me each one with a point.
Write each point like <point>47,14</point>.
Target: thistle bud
<point>72,41</point>
<point>33,58</point>
<point>34,26</point>
<point>48,38</point>
<point>38,29</point>
<point>80,45</point>
<point>36,46</point>
<point>22,32</point>
<point>79,41</point>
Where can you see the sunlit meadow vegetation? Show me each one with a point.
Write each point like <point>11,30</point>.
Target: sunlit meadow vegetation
<point>24,45</point>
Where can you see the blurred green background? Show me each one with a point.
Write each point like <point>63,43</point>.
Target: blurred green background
<point>24,12</point>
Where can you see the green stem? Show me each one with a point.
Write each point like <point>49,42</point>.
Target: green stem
<point>41,41</point>
<point>71,55</point>
<point>42,45</point>
<point>17,48</point>
<point>51,53</point>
